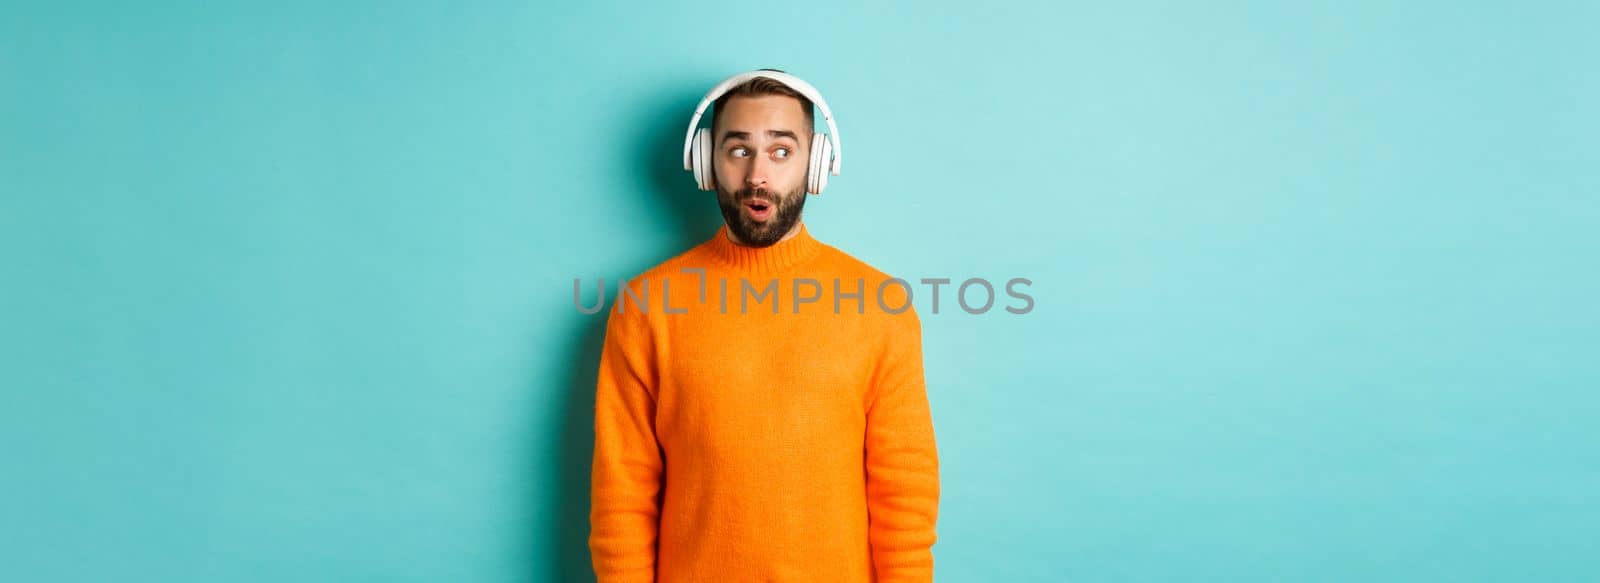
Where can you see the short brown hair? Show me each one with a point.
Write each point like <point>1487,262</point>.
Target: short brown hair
<point>760,86</point>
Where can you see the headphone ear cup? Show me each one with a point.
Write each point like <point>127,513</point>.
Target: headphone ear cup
<point>700,156</point>
<point>694,157</point>
<point>817,167</point>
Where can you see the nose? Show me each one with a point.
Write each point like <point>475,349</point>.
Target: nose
<point>757,177</point>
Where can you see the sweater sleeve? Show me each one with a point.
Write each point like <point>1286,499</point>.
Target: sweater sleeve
<point>902,460</point>
<point>628,462</point>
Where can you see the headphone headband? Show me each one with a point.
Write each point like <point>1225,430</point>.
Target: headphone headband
<point>790,80</point>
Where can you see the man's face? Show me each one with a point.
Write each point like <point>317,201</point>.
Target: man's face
<point>762,144</point>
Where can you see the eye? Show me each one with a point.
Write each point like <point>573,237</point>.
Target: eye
<point>738,152</point>
<point>784,151</point>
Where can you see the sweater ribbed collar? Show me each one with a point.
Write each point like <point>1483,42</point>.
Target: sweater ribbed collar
<point>779,256</point>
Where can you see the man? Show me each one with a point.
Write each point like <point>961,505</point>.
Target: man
<point>751,426</point>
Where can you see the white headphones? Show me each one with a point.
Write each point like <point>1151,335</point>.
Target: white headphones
<point>825,150</point>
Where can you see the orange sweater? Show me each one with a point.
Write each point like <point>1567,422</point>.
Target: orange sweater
<point>737,444</point>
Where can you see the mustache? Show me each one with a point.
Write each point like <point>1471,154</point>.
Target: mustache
<point>747,194</point>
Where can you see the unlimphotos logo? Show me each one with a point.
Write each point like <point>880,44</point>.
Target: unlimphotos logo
<point>975,295</point>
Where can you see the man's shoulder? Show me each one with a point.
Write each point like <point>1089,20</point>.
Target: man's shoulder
<point>670,267</point>
<point>845,264</point>
<point>886,292</point>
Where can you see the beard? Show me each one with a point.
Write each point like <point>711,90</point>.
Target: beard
<point>761,234</point>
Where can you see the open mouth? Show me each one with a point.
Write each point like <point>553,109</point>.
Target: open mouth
<point>759,210</point>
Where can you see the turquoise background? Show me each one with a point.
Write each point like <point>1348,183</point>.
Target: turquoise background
<point>288,286</point>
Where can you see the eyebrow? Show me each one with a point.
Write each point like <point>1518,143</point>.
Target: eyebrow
<point>733,135</point>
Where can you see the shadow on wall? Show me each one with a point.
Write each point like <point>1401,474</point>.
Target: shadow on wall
<point>668,191</point>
